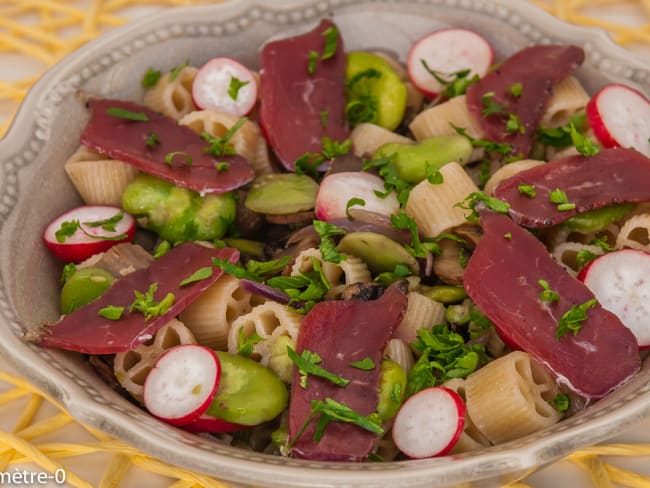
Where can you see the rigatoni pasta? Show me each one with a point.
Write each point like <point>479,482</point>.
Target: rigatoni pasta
<point>421,312</point>
<point>367,138</point>
<point>507,171</point>
<point>569,98</point>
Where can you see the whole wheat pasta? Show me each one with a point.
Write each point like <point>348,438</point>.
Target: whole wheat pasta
<point>566,254</point>
<point>173,97</point>
<point>509,397</point>
<point>367,138</point>
<point>399,351</point>
<point>437,120</point>
<point>569,98</point>
<point>421,312</point>
<point>433,206</point>
<point>507,171</point>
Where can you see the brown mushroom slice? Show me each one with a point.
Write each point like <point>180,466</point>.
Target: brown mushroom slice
<point>447,265</point>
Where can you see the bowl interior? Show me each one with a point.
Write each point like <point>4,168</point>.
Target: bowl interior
<point>35,189</point>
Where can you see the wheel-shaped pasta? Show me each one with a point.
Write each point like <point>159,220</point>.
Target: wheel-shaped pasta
<point>367,138</point>
<point>421,312</point>
<point>566,254</point>
<point>507,171</point>
<point>434,206</point>
<point>399,351</point>
<point>471,438</point>
<point>350,270</point>
<point>635,233</point>
<point>98,179</point>
<point>246,140</point>
<point>272,322</point>
<point>569,98</point>
<point>132,367</point>
<point>210,317</point>
<point>172,95</point>
<point>510,397</point>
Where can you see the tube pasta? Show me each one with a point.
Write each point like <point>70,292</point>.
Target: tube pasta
<point>414,98</point>
<point>350,270</point>
<point>509,397</point>
<point>420,312</point>
<point>132,367</point>
<point>471,438</point>
<point>367,138</point>
<point>246,140</point>
<point>437,120</point>
<point>433,206</point>
<point>98,179</point>
<point>211,316</point>
<point>269,321</point>
<point>507,171</point>
<point>399,351</point>
<point>569,98</point>
<point>635,233</point>
<point>173,97</point>
<point>566,254</point>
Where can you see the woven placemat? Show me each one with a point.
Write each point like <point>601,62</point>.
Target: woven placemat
<point>37,33</point>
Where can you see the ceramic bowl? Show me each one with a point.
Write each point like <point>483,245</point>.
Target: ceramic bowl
<point>34,189</point>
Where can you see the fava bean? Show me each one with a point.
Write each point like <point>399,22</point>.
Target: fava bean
<point>445,293</point>
<point>84,286</point>
<point>596,220</point>
<point>391,389</point>
<point>282,194</point>
<point>279,361</point>
<point>379,252</point>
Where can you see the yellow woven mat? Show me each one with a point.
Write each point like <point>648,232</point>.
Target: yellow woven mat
<point>43,31</point>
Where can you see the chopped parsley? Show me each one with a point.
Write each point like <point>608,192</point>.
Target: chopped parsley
<point>309,162</point>
<point>392,179</point>
<point>220,145</point>
<point>508,235</point>
<point>472,200</point>
<point>490,107</point>
<point>516,89</point>
<point>328,250</point>
<point>107,224</point>
<point>67,229</point>
<point>365,364</point>
<point>573,319</point>
<point>561,402</point>
<point>254,270</point>
<point>111,312</point>
<point>417,248</point>
<point>583,257</point>
<point>152,140</point>
<point>176,71</point>
<point>388,277</point>
<point>528,190</point>
<point>331,43</point>
<point>150,78</point>
<point>489,146</point>
<point>162,249</point>
<point>245,344</point>
<point>146,304</point>
<point>169,158</point>
<point>308,364</point>
<point>560,198</point>
<point>122,113</point>
<point>323,118</point>
<point>433,175</point>
<point>221,166</point>
<point>547,295</point>
<point>361,105</point>
<point>454,83</point>
<point>313,59</point>
<point>332,149</point>
<point>199,275</point>
<point>235,85</point>
<point>561,136</point>
<point>353,202</point>
<point>68,270</point>
<point>514,124</point>
<point>583,144</point>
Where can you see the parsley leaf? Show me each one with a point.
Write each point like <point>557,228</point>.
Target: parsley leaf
<point>111,312</point>
<point>455,83</point>
<point>514,124</point>
<point>162,249</point>
<point>489,146</point>
<point>67,229</point>
<point>528,190</point>
<point>583,257</point>
<point>352,202</point>
<point>220,145</point>
<point>403,221</point>
<point>308,164</point>
<point>245,344</point>
<point>387,277</point>
<point>313,59</point>
<point>361,106</point>
<point>573,319</point>
<point>265,268</point>
<point>561,402</point>
<point>560,198</point>
<point>68,270</point>
<point>328,250</point>
<point>490,107</point>
<point>150,78</point>
<point>516,89</point>
<point>122,113</point>
<point>365,364</point>
<point>169,158</point>
<point>308,364</point>
<point>392,179</point>
<point>561,136</point>
<point>494,204</point>
<point>176,71</point>
<point>145,303</point>
<point>332,149</point>
<point>199,275</point>
<point>583,144</point>
<point>107,224</point>
<point>547,295</point>
<point>331,43</point>
<point>152,140</point>
<point>235,85</point>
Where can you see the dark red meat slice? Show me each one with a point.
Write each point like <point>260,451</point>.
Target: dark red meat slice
<point>502,278</point>
<point>293,101</point>
<point>125,140</point>
<point>341,332</point>
<point>611,176</point>
<point>538,69</point>
<point>85,331</point>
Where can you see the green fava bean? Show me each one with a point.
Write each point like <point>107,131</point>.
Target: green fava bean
<point>379,252</point>
<point>414,162</point>
<point>178,214</point>
<point>282,194</point>
<point>596,220</point>
<point>246,246</point>
<point>445,293</point>
<point>248,392</point>
<point>84,286</point>
<point>279,361</point>
<point>375,93</point>
<point>391,389</point>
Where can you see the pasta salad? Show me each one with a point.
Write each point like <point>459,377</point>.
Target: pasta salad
<point>357,259</point>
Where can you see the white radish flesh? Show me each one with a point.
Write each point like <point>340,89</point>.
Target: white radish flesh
<point>429,423</point>
<point>447,51</point>
<point>182,384</point>
<point>620,281</point>
<point>337,189</point>
<point>619,116</point>
<point>93,229</point>
<point>225,85</point>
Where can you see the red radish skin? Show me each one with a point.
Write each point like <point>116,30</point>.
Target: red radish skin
<point>429,423</point>
<point>447,51</point>
<point>621,282</point>
<point>182,384</point>
<point>337,189</point>
<point>213,425</point>
<point>210,89</point>
<point>88,240</point>
<point>619,116</point>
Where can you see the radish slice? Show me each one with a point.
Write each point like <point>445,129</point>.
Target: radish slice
<point>447,51</point>
<point>429,423</point>
<point>619,116</point>
<point>337,189</point>
<point>213,425</point>
<point>84,231</point>
<point>182,384</point>
<point>621,282</point>
<point>225,85</point>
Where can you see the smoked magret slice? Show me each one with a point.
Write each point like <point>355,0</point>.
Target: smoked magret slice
<point>299,108</point>
<point>502,278</point>
<point>85,330</point>
<point>612,176</point>
<point>342,332</point>
<point>522,86</point>
<point>189,166</point>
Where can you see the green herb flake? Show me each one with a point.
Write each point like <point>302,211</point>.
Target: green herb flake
<point>220,145</point>
<point>558,197</point>
<point>393,182</point>
<point>323,118</point>
<point>516,89</point>
<point>111,312</point>
<point>402,220</point>
<point>68,270</point>
<point>221,166</point>
<point>601,242</point>
<point>176,71</point>
<point>308,364</point>
<point>454,84</point>
<point>582,143</point>
<point>583,257</point>
<point>490,107</point>
<point>352,202</point>
<point>331,43</point>
<point>328,250</point>
<point>547,295</point>
<point>266,268</point>
<point>107,224</point>
<point>562,207</point>
<point>494,204</point>
<point>528,190</point>
<point>561,402</point>
<point>433,174</point>
<point>513,124</point>
<point>361,105</point>
<point>489,146</point>
<point>146,304</point>
<point>308,164</point>
<point>235,85</point>
<point>169,158</point>
<point>150,78</point>
<point>199,275</point>
<point>507,235</point>
<point>313,59</point>
<point>122,113</point>
<point>332,149</point>
<point>161,249</point>
<point>236,270</point>
<point>67,229</point>
<point>573,319</point>
<point>366,364</point>
<point>245,344</point>
<point>152,140</point>
<point>561,136</point>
